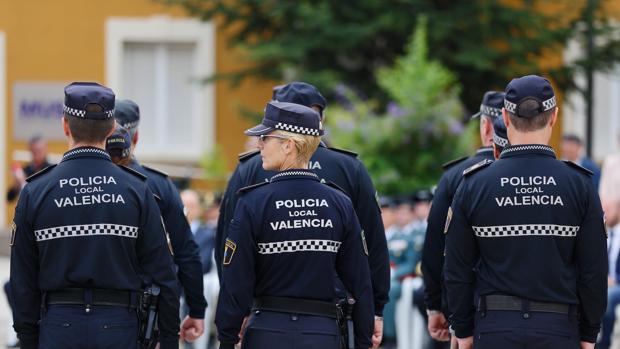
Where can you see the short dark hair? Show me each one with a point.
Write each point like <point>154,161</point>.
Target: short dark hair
<point>89,130</point>
<point>572,138</point>
<point>532,123</point>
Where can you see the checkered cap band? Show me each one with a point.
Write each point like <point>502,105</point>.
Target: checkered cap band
<point>73,231</point>
<point>130,125</point>
<point>511,107</point>
<point>501,141</point>
<point>82,113</point>
<point>490,111</point>
<point>297,129</point>
<point>499,231</point>
<point>313,245</point>
<point>547,105</point>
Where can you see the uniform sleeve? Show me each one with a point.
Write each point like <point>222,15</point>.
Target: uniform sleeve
<point>238,276</point>
<point>461,255</point>
<point>186,253</point>
<point>227,208</point>
<point>156,261</point>
<point>434,246</point>
<point>369,215</point>
<point>591,256</point>
<point>24,277</point>
<point>353,270</point>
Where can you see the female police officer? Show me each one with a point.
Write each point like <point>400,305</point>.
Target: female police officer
<point>287,239</point>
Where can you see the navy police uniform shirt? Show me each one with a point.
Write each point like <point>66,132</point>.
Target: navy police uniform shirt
<point>345,170</point>
<point>185,250</point>
<point>435,241</point>
<point>532,227</point>
<point>87,223</point>
<point>286,239</point>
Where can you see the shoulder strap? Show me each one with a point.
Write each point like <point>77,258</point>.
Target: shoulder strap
<point>133,172</point>
<point>154,170</point>
<point>344,151</point>
<point>453,162</point>
<point>477,167</point>
<point>247,154</point>
<point>578,167</point>
<point>37,174</point>
<point>251,187</point>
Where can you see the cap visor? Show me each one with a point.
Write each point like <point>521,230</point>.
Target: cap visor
<point>258,130</point>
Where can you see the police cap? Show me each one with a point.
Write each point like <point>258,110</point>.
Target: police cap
<point>491,105</point>
<point>500,135</point>
<point>300,93</point>
<point>79,96</point>
<point>119,143</point>
<point>529,88</point>
<point>127,114</point>
<point>289,117</point>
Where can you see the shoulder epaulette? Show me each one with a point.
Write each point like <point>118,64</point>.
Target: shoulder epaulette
<point>247,154</point>
<point>157,198</point>
<point>154,170</point>
<point>333,185</point>
<point>578,167</point>
<point>476,167</point>
<point>453,162</point>
<point>133,172</point>
<point>250,187</point>
<point>344,151</point>
<point>37,174</point>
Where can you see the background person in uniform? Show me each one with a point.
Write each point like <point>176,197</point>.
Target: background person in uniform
<point>287,239</point>
<point>434,242</point>
<point>185,250</point>
<point>339,166</point>
<point>84,234</point>
<point>572,150</point>
<point>38,161</point>
<point>500,137</point>
<point>526,235</point>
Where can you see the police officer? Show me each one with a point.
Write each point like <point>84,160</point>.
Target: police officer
<point>434,243</point>
<point>500,137</point>
<point>185,250</point>
<point>339,166</point>
<point>526,234</point>
<point>83,231</point>
<point>288,238</point>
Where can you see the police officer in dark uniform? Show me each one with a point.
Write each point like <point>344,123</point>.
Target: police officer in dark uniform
<point>84,233</point>
<point>185,250</point>
<point>500,137</point>
<point>288,238</point>
<point>526,235</point>
<point>331,164</point>
<point>434,242</point>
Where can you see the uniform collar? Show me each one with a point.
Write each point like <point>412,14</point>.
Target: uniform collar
<point>527,149</point>
<point>294,174</point>
<point>81,152</point>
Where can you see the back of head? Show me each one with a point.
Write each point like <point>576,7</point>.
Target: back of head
<point>127,114</point>
<point>88,109</point>
<point>118,144</point>
<point>530,102</point>
<point>301,93</point>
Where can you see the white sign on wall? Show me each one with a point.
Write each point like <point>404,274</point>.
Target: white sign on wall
<point>37,110</point>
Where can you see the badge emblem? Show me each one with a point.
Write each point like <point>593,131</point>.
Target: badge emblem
<point>448,219</point>
<point>13,231</point>
<point>229,251</point>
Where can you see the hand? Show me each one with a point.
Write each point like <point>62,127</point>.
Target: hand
<point>466,343</point>
<point>192,328</point>
<point>454,344</point>
<point>438,327</point>
<point>242,330</point>
<point>377,335</point>
<point>586,345</point>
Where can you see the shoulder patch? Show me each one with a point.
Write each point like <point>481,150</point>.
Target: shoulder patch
<point>154,170</point>
<point>451,163</point>
<point>476,167</point>
<point>247,154</point>
<point>133,172</point>
<point>578,167</point>
<point>343,151</point>
<point>334,185</point>
<point>35,175</point>
<point>250,187</point>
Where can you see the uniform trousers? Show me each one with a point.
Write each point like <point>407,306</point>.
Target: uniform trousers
<point>532,330</point>
<point>103,327</point>
<point>274,330</point>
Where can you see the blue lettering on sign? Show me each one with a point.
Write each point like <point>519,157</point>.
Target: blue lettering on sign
<point>40,109</point>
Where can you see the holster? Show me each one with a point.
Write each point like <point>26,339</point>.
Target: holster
<point>148,334</point>
<point>345,323</point>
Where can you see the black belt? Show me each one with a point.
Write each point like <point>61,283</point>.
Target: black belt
<point>80,296</point>
<point>502,302</point>
<point>296,306</point>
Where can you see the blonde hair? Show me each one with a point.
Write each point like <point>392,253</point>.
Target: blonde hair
<point>306,145</point>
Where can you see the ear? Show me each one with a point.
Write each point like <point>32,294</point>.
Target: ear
<point>554,117</point>
<point>134,140</point>
<point>505,117</point>
<point>496,151</point>
<point>65,127</point>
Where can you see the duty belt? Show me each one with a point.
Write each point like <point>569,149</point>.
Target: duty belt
<point>503,302</point>
<point>89,297</point>
<point>296,306</point>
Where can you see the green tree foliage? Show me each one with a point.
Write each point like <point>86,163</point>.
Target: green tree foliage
<point>326,42</point>
<point>404,146</point>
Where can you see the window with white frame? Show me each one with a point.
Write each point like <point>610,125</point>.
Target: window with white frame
<point>160,63</point>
